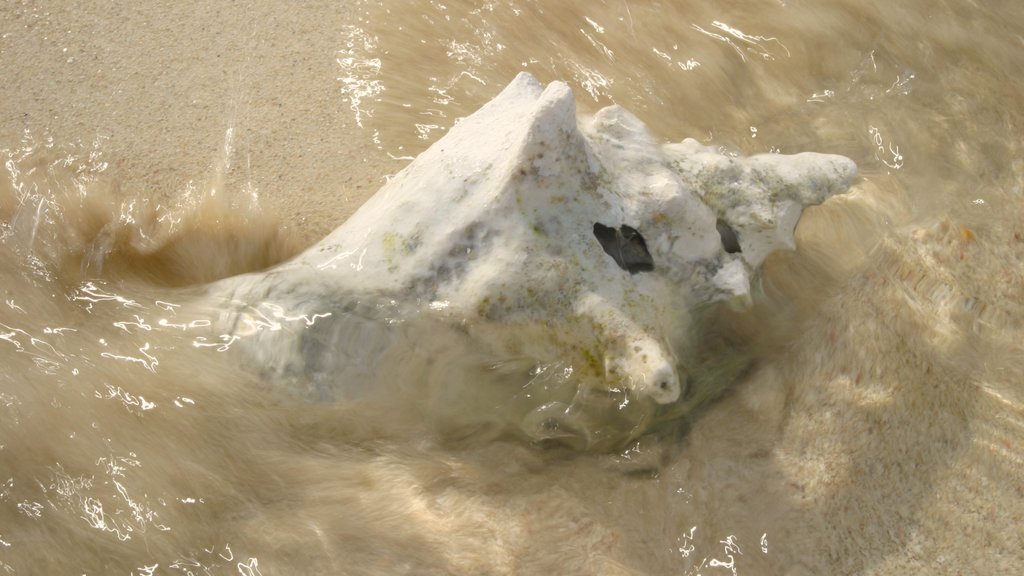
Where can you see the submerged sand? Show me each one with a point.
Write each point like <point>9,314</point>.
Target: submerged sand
<point>881,432</point>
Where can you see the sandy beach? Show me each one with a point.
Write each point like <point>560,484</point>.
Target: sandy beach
<point>881,430</point>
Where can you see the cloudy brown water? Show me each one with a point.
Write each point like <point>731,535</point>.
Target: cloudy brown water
<point>153,146</point>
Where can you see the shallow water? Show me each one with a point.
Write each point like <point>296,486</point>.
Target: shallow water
<point>154,147</point>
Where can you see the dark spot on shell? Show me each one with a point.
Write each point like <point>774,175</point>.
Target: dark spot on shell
<point>730,241</point>
<point>626,246</point>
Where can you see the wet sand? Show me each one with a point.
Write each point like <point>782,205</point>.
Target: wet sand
<point>881,432</point>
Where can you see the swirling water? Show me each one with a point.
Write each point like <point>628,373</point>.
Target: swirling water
<point>152,147</point>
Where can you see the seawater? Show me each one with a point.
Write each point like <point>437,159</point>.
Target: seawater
<point>150,149</point>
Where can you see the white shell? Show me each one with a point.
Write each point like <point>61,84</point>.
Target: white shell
<point>491,229</point>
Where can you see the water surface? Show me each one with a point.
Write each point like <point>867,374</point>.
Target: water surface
<point>155,146</point>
